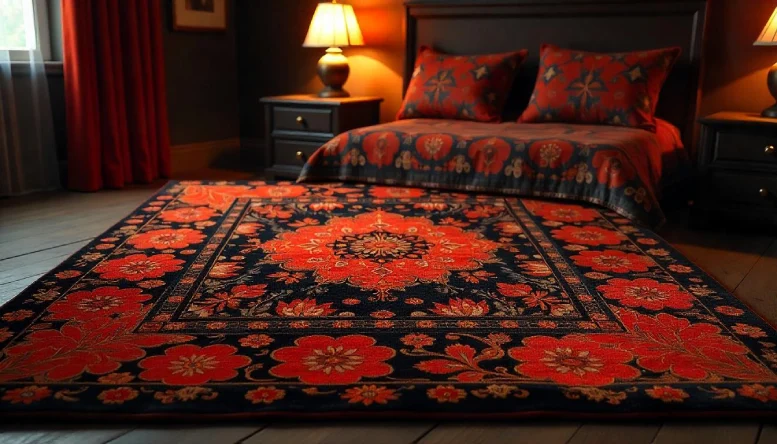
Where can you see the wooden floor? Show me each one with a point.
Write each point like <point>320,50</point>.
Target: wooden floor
<point>37,232</point>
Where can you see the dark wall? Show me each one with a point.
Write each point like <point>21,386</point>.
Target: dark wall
<point>735,77</point>
<point>272,60</point>
<point>202,89</point>
<point>56,84</point>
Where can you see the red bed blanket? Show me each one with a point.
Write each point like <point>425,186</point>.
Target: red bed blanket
<point>616,167</point>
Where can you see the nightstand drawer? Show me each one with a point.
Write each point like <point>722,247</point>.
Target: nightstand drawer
<point>314,120</point>
<point>737,171</point>
<point>293,152</point>
<point>751,146</point>
<point>303,122</point>
<point>753,189</point>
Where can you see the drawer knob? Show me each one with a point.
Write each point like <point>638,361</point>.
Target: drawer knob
<point>763,192</point>
<point>769,150</point>
<point>300,120</point>
<point>300,155</point>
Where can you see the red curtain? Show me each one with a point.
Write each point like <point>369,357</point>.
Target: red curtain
<point>116,105</point>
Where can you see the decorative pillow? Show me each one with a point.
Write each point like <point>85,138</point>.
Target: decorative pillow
<point>460,87</point>
<point>612,89</point>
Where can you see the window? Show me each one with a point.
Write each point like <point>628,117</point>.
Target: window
<point>24,27</point>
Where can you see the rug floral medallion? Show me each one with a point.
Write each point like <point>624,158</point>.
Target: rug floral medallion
<point>252,299</point>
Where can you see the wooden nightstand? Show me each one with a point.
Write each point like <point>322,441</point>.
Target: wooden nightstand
<point>738,170</point>
<point>297,125</point>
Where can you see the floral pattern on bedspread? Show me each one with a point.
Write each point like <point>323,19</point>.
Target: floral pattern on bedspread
<point>619,168</point>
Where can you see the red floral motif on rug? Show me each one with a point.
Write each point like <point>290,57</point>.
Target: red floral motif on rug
<point>380,251</point>
<point>254,299</point>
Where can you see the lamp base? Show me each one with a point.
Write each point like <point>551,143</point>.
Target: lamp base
<point>333,71</point>
<point>771,82</point>
<point>331,93</point>
<point>770,112</point>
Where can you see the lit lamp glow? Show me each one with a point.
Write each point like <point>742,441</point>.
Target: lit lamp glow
<point>768,37</point>
<point>333,26</point>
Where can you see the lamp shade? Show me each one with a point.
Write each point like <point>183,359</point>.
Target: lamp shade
<point>333,25</point>
<point>768,36</point>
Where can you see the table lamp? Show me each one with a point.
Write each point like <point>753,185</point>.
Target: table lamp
<point>333,26</point>
<point>768,37</point>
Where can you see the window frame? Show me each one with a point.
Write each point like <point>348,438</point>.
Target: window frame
<point>42,34</point>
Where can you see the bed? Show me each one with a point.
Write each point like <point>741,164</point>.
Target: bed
<point>620,168</point>
<point>625,170</point>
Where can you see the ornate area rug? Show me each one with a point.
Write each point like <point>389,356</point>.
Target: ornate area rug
<point>247,299</point>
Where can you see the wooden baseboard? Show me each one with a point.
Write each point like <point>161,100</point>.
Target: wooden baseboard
<point>196,156</point>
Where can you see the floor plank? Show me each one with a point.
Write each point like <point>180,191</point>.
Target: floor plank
<point>10,290</point>
<point>82,434</point>
<point>28,238</point>
<point>341,433</point>
<point>708,433</point>
<point>615,433</point>
<point>530,432</point>
<point>728,257</point>
<point>759,288</point>
<point>46,207</point>
<point>768,434</point>
<point>22,267</point>
<point>187,435</point>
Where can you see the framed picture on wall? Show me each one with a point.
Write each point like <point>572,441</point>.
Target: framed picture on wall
<point>200,15</point>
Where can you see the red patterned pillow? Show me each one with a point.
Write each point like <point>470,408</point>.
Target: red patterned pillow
<point>460,87</point>
<point>586,87</point>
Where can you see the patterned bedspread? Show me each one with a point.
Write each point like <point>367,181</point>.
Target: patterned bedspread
<point>619,168</point>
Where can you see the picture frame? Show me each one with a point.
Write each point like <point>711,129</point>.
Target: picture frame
<point>200,15</point>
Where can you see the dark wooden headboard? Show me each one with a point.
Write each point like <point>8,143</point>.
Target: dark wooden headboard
<point>488,26</point>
